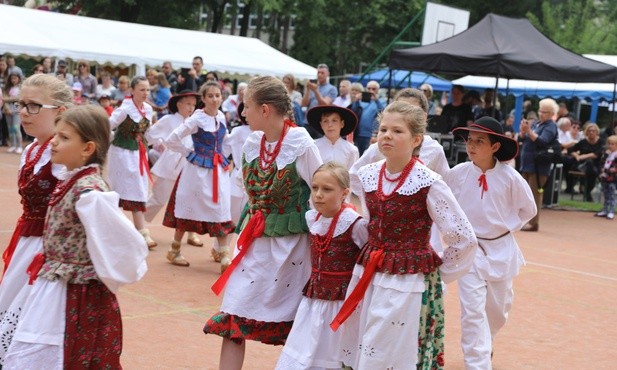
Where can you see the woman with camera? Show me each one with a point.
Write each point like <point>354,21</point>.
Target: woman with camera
<point>534,136</point>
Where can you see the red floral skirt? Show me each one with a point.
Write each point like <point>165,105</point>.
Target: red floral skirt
<point>214,229</point>
<point>238,328</point>
<point>132,206</point>
<point>93,336</point>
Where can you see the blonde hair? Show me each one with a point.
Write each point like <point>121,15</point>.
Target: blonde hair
<point>611,139</point>
<point>272,91</point>
<point>338,171</point>
<point>91,124</point>
<point>549,103</point>
<point>356,86</point>
<point>589,125</point>
<point>292,80</point>
<point>53,87</point>
<point>413,116</point>
<point>124,79</point>
<point>162,79</point>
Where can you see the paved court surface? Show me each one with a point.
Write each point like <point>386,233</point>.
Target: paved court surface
<point>564,314</point>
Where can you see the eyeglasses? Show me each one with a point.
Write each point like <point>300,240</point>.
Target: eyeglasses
<point>33,108</point>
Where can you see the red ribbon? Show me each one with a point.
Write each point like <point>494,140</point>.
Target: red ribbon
<point>8,252</point>
<point>253,230</point>
<point>218,159</point>
<point>143,160</point>
<point>483,184</point>
<point>352,301</point>
<point>34,267</point>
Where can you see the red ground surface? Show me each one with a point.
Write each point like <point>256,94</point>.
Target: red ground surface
<point>563,315</point>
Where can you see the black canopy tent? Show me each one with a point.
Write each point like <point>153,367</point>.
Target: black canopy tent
<point>503,47</point>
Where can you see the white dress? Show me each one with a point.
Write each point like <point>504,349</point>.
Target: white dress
<point>311,344</point>
<point>119,258</point>
<point>14,287</point>
<point>383,331</point>
<point>123,172</point>
<point>168,166</point>
<point>342,151</point>
<point>233,144</point>
<point>195,190</point>
<point>267,284</point>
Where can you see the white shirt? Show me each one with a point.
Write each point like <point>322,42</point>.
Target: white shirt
<point>342,151</point>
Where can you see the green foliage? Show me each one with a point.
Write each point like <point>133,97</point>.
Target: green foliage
<point>583,26</point>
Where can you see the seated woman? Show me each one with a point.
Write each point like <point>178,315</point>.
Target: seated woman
<point>584,156</point>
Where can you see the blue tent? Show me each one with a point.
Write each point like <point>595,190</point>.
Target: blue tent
<point>401,79</point>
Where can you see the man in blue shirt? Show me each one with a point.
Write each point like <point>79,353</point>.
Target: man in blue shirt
<point>367,112</point>
<point>317,93</point>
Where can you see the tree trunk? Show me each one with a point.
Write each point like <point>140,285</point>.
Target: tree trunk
<point>260,21</point>
<point>246,14</point>
<point>285,36</point>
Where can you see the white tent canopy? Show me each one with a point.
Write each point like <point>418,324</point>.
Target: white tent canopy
<point>42,33</point>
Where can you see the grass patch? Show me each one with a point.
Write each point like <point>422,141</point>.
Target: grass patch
<point>580,205</point>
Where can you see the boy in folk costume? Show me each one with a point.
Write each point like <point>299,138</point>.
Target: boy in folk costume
<point>497,201</point>
<point>169,163</point>
<point>334,122</point>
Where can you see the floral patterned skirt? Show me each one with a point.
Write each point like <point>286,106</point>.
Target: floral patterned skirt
<point>132,206</point>
<point>238,328</point>
<point>214,229</point>
<point>93,336</point>
<point>431,333</point>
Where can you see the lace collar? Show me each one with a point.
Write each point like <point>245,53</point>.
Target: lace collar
<point>295,143</point>
<point>129,107</point>
<point>420,177</point>
<point>320,226</point>
<point>206,122</point>
<point>66,175</point>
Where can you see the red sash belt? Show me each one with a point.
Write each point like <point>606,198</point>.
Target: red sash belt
<point>34,267</point>
<point>218,159</point>
<point>253,230</point>
<point>143,160</point>
<point>352,301</point>
<point>10,249</point>
<point>339,274</point>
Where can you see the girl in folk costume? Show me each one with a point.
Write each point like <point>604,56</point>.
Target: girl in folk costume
<point>41,99</point>
<point>200,200</point>
<point>128,159</point>
<point>266,278</point>
<point>71,317</point>
<point>396,284</point>
<point>337,233</point>
<point>169,163</point>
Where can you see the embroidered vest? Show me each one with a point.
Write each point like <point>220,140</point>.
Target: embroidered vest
<point>64,242</point>
<point>129,133</point>
<point>35,196</point>
<point>206,144</point>
<point>331,274</point>
<point>405,237</point>
<point>280,194</point>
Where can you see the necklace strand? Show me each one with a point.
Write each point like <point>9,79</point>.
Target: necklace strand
<point>322,242</point>
<point>62,188</point>
<point>400,178</point>
<point>266,157</point>
<point>29,164</point>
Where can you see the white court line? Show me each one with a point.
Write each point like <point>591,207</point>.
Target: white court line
<point>573,271</point>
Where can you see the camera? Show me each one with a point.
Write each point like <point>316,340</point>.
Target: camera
<point>366,96</point>
<point>313,81</point>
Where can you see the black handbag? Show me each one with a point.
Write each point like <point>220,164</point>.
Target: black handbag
<point>549,154</point>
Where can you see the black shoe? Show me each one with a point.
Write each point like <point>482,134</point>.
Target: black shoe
<point>569,191</point>
<point>588,198</point>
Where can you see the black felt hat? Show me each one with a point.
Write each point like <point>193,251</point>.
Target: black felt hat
<point>350,120</point>
<point>172,105</point>
<point>490,126</point>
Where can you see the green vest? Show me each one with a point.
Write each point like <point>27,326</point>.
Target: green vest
<point>129,132</point>
<point>281,195</point>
